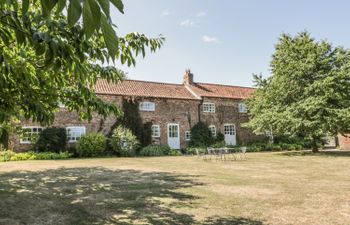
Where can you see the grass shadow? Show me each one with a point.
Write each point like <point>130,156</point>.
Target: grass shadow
<point>96,195</point>
<point>330,153</point>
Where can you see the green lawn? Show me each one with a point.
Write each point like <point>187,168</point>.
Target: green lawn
<point>267,188</point>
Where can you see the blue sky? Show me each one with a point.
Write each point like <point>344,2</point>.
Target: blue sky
<point>225,41</point>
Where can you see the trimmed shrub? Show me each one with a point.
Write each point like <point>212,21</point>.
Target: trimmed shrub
<point>201,136</point>
<point>52,139</point>
<point>174,152</point>
<point>155,150</point>
<point>124,142</point>
<point>92,144</point>
<point>220,137</point>
<point>254,148</point>
<point>12,156</point>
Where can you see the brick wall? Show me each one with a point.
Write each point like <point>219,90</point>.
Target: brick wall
<point>227,113</point>
<point>182,112</point>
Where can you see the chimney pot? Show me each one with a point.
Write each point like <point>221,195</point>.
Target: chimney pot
<point>188,77</point>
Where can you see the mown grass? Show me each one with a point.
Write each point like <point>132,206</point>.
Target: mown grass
<point>267,188</point>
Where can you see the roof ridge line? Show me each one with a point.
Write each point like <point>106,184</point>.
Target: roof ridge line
<point>154,82</point>
<point>226,85</point>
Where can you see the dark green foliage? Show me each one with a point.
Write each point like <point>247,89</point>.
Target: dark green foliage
<point>220,137</point>
<point>201,136</point>
<point>156,150</point>
<point>4,137</point>
<point>52,139</point>
<point>132,118</point>
<point>133,121</point>
<point>90,145</point>
<point>147,134</point>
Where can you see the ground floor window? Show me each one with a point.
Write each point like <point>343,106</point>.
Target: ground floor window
<point>212,129</point>
<point>188,135</point>
<point>74,133</point>
<point>155,131</point>
<point>30,134</point>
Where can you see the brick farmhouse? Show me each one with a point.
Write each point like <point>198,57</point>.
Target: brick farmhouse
<point>171,108</point>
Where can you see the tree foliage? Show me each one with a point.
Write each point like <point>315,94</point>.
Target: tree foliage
<point>52,52</point>
<point>308,93</point>
<point>201,136</point>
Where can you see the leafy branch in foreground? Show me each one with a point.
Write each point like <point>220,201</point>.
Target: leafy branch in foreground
<point>48,58</point>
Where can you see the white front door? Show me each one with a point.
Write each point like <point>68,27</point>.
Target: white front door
<point>230,134</point>
<point>174,135</point>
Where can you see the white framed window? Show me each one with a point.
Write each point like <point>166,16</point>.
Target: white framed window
<point>74,133</point>
<point>155,131</point>
<point>187,135</point>
<point>208,107</point>
<point>30,134</point>
<point>147,106</point>
<point>242,107</point>
<point>212,129</point>
<point>61,105</point>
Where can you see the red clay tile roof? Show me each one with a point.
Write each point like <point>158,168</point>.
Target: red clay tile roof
<point>172,91</point>
<point>221,91</point>
<point>144,89</point>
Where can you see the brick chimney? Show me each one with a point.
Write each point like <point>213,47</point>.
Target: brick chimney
<point>188,78</point>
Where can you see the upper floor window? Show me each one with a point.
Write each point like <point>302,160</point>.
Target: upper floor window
<point>74,133</point>
<point>209,107</point>
<point>188,135</point>
<point>212,129</point>
<point>147,106</point>
<point>155,131</point>
<point>242,108</point>
<point>30,134</point>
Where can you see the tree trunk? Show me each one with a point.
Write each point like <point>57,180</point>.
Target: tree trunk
<point>314,145</point>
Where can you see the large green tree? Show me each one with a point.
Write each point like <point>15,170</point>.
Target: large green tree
<point>308,93</point>
<point>53,51</point>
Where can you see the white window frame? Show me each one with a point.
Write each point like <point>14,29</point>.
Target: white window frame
<point>76,128</point>
<point>209,107</point>
<point>188,135</point>
<point>155,131</point>
<point>21,141</point>
<point>212,129</point>
<point>242,107</point>
<point>147,106</point>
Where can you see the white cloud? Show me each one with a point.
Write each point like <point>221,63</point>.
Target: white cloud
<point>201,14</point>
<point>208,39</point>
<point>165,12</point>
<point>187,23</point>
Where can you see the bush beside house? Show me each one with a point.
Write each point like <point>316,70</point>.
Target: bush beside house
<point>201,136</point>
<point>124,142</point>
<point>93,144</point>
<point>52,139</point>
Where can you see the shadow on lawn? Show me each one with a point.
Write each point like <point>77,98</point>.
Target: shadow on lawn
<point>331,153</point>
<point>98,196</point>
